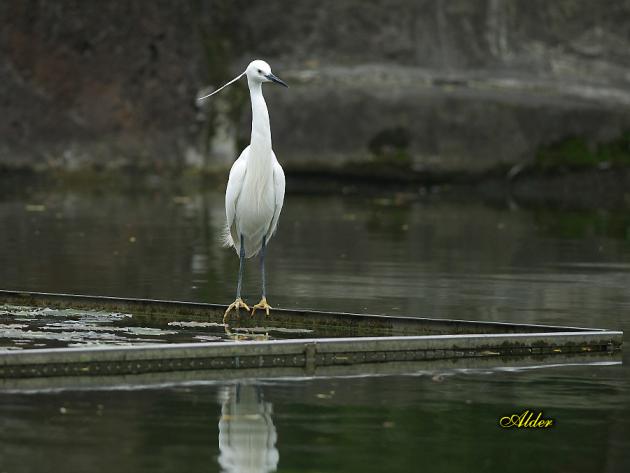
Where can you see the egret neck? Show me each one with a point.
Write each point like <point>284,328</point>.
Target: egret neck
<point>260,163</point>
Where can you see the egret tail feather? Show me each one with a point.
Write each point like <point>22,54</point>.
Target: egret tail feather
<point>226,238</point>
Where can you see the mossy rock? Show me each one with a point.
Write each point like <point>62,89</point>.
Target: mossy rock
<point>576,152</point>
<point>391,147</point>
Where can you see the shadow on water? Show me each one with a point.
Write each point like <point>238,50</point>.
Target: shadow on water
<point>401,253</point>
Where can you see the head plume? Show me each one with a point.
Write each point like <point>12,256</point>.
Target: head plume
<point>201,99</point>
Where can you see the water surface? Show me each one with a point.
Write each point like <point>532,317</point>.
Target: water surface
<point>396,253</point>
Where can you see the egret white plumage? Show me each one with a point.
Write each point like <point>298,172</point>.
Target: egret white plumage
<point>255,189</point>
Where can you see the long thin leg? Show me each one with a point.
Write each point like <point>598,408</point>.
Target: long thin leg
<point>263,301</point>
<point>262,268</point>
<point>240,269</point>
<point>238,303</point>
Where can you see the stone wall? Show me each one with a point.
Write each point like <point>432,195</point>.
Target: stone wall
<point>435,86</point>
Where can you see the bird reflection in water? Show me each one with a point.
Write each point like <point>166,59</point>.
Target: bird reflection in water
<point>247,436</point>
<point>242,334</point>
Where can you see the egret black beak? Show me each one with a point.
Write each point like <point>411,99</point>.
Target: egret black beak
<point>275,79</point>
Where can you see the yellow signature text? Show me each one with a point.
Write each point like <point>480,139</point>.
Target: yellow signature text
<point>528,420</point>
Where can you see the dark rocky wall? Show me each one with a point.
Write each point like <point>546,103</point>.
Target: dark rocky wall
<point>115,78</point>
<point>468,85</point>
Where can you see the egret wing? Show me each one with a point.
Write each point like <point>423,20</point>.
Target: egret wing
<point>279,186</point>
<point>233,191</point>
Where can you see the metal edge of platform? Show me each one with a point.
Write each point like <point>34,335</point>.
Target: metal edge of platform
<point>305,353</point>
<point>153,380</point>
<point>285,316</point>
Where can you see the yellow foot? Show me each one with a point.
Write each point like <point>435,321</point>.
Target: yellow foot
<point>263,306</point>
<point>236,305</point>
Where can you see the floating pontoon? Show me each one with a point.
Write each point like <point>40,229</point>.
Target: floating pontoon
<point>288,343</point>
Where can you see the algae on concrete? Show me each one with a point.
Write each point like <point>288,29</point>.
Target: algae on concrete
<point>577,152</point>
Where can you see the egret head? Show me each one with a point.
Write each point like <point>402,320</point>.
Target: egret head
<point>257,72</point>
<point>260,71</point>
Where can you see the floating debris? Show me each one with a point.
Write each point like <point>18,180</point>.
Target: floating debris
<point>24,327</point>
<point>35,207</point>
<point>193,324</point>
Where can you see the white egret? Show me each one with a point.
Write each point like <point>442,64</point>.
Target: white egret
<point>255,189</point>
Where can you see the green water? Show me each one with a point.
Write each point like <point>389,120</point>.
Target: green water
<point>407,254</point>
